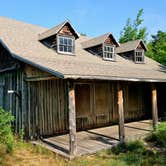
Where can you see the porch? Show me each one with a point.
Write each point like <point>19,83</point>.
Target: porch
<point>91,141</point>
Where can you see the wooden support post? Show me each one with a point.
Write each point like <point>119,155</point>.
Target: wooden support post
<point>72,120</point>
<point>121,115</point>
<point>154,107</point>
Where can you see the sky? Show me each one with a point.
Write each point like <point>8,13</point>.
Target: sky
<point>91,17</point>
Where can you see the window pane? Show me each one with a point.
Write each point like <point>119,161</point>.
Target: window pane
<point>69,49</point>
<point>70,42</point>
<point>65,41</point>
<point>108,55</point>
<point>60,40</point>
<point>60,48</point>
<point>65,48</point>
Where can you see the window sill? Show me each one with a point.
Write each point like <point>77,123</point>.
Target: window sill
<point>139,62</point>
<point>108,59</point>
<point>66,53</point>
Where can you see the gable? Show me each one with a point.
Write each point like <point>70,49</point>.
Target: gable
<point>110,41</point>
<point>63,28</point>
<point>141,46</point>
<point>67,30</point>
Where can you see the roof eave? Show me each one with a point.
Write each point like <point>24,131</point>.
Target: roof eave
<point>112,78</point>
<point>53,72</point>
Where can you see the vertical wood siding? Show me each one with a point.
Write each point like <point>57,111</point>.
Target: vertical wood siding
<point>12,80</point>
<point>96,103</point>
<point>47,108</point>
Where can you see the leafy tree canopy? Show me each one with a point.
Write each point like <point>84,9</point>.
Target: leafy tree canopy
<point>133,31</point>
<point>157,47</point>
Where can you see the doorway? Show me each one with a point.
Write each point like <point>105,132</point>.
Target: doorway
<point>83,98</point>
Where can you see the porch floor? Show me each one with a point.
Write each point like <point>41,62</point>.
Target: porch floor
<point>91,141</point>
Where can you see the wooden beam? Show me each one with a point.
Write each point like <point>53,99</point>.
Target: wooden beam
<point>154,107</point>
<point>121,115</point>
<point>72,120</point>
<point>40,78</point>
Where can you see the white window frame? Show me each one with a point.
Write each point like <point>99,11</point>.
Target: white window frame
<point>139,56</point>
<point>72,45</point>
<point>111,47</point>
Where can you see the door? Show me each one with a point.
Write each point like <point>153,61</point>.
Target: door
<point>102,100</point>
<point>83,106</point>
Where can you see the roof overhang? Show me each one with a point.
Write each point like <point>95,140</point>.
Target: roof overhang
<point>113,78</point>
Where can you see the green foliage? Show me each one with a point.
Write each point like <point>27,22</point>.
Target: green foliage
<point>136,153</point>
<point>133,31</point>
<point>6,135</point>
<point>159,137</point>
<point>157,47</point>
<point>21,135</point>
<point>135,146</point>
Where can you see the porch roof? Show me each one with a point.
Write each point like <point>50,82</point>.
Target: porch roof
<point>22,41</point>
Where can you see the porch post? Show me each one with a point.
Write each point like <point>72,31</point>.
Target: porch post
<point>154,107</point>
<point>72,119</point>
<point>121,115</point>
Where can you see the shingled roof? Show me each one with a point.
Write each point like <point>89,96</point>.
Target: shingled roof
<point>22,41</point>
<point>130,46</point>
<point>97,41</point>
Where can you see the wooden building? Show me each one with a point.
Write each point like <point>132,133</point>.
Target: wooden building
<point>56,81</point>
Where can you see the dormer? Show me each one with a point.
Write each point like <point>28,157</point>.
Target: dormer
<point>133,50</point>
<point>60,38</point>
<point>103,46</point>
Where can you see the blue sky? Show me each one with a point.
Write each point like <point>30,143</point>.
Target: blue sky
<point>92,17</point>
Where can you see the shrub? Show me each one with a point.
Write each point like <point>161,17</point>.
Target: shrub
<point>6,135</point>
<point>159,137</point>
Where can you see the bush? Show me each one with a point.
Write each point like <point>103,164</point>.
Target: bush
<point>159,137</point>
<point>134,146</point>
<point>6,135</point>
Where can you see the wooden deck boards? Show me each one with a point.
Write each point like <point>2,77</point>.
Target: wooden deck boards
<point>91,141</point>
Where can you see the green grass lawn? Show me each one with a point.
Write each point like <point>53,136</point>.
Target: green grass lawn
<point>150,152</point>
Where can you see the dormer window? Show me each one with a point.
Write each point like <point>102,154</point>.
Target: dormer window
<point>60,38</point>
<point>108,52</point>
<point>133,51</point>
<point>65,44</point>
<point>139,56</point>
<point>102,46</point>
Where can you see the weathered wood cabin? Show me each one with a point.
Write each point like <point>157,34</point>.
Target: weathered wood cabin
<point>56,81</point>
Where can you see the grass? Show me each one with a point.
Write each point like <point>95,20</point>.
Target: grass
<point>135,153</point>
<point>132,153</point>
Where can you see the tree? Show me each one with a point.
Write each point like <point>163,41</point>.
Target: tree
<point>133,31</point>
<point>157,47</point>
